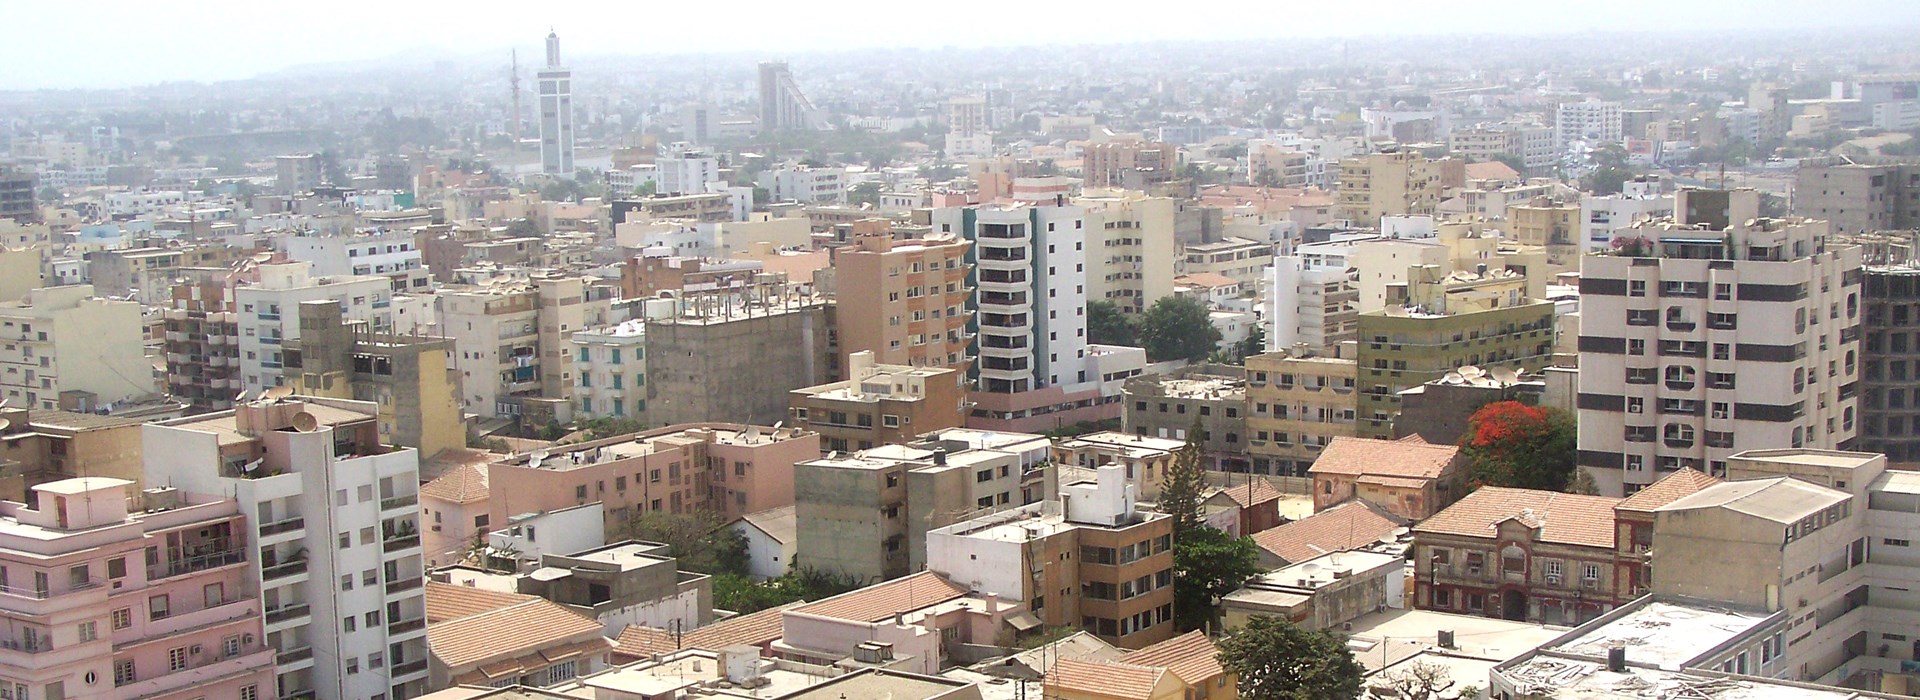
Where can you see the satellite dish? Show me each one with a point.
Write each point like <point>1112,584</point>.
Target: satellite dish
<point>776,424</point>
<point>1453,378</point>
<point>3,402</point>
<point>305,422</point>
<point>277,393</point>
<point>1506,375</point>
<point>4,424</point>
<point>1471,372</point>
<point>538,457</point>
<point>240,397</point>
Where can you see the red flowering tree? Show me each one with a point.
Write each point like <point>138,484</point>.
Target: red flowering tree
<point>1509,443</point>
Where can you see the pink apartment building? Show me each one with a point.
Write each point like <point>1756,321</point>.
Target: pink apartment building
<point>100,602</point>
<point>728,469</point>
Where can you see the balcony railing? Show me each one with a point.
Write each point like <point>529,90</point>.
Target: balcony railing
<point>37,646</point>
<point>401,501</point>
<point>287,612</point>
<point>43,594</point>
<point>395,544</point>
<point>198,562</point>
<point>293,656</point>
<point>405,584</point>
<point>404,626</point>
<point>277,527</point>
<point>284,569</point>
<point>409,667</point>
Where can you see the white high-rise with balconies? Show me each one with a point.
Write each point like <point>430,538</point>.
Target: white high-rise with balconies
<point>1711,333</point>
<point>1031,295</point>
<point>332,536</point>
<point>556,113</point>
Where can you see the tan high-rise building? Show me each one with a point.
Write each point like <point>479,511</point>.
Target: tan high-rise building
<point>407,377</point>
<point>907,300</point>
<point>1131,245</point>
<point>1392,183</point>
<point>1298,401</point>
<point>1131,164</point>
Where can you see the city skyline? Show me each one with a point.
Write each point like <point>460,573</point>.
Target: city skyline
<point>167,50</point>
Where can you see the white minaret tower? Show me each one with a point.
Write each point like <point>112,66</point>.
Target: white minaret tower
<point>556,113</point>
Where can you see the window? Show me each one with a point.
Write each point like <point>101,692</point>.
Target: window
<point>177,659</point>
<point>116,567</point>
<point>250,693</point>
<point>89,631</point>
<point>376,660</point>
<point>122,672</point>
<point>122,618</point>
<point>157,608</point>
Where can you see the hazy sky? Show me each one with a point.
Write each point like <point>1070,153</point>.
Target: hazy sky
<point>115,43</point>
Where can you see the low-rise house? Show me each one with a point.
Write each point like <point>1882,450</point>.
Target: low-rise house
<point>1355,524</point>
<point>1146,458</point>
<point>1520,554</point>
<point>1193,659</point>
<point>772,541</point>
<point>1074,679</point>
<point>530,641</point>
<point>908,624</point>
<point>1254,505</point>
<point>1411,479</point>
<point>1322,592</point>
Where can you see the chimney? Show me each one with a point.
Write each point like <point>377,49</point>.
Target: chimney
<point>1617,659</point>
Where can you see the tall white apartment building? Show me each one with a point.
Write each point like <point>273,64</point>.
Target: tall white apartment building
<point>1132,248</point>
<point>684,170</point>
<point>1312,298</point>
<point>1724,332</point>
<point>969,134</point>
<point>513,354</point>
<point>1590,120</point>
<point>65,339</point>
<point>1603,217</point>
<point>270,313</point>
<point>333,518</point>
<point>806,184</point>
<point>1030,290</point>
<point>556,113</point>
<point>393,254</point>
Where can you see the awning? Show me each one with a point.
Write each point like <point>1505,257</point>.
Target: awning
<point>1024,621</point>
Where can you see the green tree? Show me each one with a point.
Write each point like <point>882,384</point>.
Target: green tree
<point>1186,478</point>
<point>737,593</point>
<point>699,539</point>
<point>1208,563</point>
<point>1254,344</point>
<point>1518,164</point>
<point>1278,660</point>
<point>646,189</point>
<point>1605,180</point>
<point>865,193</point>
<point>522,227</point>
<point>1177,328</point>
<point>1509,443</point>
<point>1106,325</point>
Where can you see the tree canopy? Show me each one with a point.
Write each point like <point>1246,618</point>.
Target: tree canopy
<point>1509,443</point>
<point>699,539</point>
<point>1208,563</point>
<point>1177,328</point>
<point>1106,325</point>
<point>1278,660</point>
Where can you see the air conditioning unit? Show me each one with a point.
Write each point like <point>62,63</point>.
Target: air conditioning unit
<point>1591,583</point>
<point>195,649</point>
<point>1553,579</point>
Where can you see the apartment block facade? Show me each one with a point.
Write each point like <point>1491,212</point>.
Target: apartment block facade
<point>1298,401</point>
<point>269,315</point>
<point>104,602</point>
<point>1090,560</point>
<point>1131,248</point>
<point>880,404</point>
<point>409,377</point>
<point>66,348</point>
<point>1728,332</point>
<point>515,359</point>
<point>907,302</point>
<point>1443,323</point>
<point>1130,164</point>
<point>1390,183</point>
<point>334,519</point>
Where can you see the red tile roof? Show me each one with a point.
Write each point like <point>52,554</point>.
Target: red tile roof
<point>1355,456</point>
<point>1191,657</point>
<point>1673,487</point>
<point>463,483</point>
<point>1256,491</point>
<point>1491,170</point>
<point>1350,525</point>
<point>1103,678</point>
<point>537,625</point>
<point>447,601</point>
<point>884,600</point>
<point>639,641</point>
<point>1563,518</point>
<point>755,628</point>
